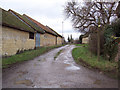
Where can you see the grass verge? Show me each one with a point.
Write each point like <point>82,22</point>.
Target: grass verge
<point>82,56</point>
<point>26,55</point>
<point>84,45</point>
<point>58,53</point>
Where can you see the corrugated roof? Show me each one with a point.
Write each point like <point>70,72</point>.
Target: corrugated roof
<point>11,21</point>
<point>42,26</point>
<point>27,21</point>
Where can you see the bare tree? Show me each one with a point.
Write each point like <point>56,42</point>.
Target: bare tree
<point>87,14</point>
<point>118,10</point>
<point>90,14</point>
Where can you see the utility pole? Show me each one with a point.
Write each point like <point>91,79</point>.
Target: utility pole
<point>62,27</point>
<point>62,32</point>
<point>98,41</point>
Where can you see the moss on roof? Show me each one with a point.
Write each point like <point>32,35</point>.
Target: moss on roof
<point>10,20</point>
<point>26,20</point>
<point>42,26</point>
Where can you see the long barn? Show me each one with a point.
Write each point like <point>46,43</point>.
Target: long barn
<point>21,32</point>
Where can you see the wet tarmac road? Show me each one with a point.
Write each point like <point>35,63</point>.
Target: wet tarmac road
<point>63,72</point>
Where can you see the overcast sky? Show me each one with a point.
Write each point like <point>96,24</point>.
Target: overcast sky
<point>47,12</point>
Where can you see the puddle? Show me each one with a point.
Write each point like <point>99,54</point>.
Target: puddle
<point>35,86</point>
<point>66,62</point>
<point>66,57</point>
<point>72,67</point>
<point>25,82</point>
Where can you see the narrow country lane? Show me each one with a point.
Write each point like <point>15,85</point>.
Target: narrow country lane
<point>63,72</point>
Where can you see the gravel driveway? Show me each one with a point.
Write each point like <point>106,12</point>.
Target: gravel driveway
<point>63,72</point>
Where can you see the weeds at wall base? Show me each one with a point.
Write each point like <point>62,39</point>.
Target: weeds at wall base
<point>25,56</point>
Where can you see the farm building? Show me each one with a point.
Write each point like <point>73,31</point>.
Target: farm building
<point>50,36</point>
<point>59,39</point>
<point>85,38</point>
<point>16,35</point>
<point>20,32</point>
<point>39,31</point>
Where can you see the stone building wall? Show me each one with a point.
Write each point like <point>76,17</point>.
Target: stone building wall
<point>59,40</point>
<point>41,39</point>
<point>85,40</point>
<point>49,40</point>
<point>14,40</point>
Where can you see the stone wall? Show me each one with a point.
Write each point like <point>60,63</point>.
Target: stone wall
<point>41,39</point>
<point>49,40</point>
<point>59,40</point>
<point>14,40</point>
<point>85,40</point>
<point>118,55</point>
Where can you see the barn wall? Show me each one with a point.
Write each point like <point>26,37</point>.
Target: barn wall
<point>14,40</point>
<point>85,40</point>
<point>41,39</point>
<point>59,40</point>
<point>49,39</point>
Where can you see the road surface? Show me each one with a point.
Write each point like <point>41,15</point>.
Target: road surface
<point>62,72</point>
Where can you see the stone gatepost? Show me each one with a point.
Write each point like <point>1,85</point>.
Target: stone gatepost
<point>118,55</point>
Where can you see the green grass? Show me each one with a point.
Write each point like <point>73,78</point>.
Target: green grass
<point>82,56</point>
<point>26,55</point>
<point>57,54</point>
<point>81,44</point>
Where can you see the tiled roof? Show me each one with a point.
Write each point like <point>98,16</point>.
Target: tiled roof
<point>10,20</point>
<point>42,26</point>
<point>28,22</point>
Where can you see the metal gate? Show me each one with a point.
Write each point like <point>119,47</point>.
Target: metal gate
<point>37,40</point>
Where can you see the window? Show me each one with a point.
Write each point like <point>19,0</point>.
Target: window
<point>31,35</point>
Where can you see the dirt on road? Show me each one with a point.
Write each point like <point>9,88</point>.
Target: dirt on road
<point>47,72</point>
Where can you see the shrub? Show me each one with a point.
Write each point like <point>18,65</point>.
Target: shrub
<point>80,38</point>
<point>111,47</point>
<point>116,27</point>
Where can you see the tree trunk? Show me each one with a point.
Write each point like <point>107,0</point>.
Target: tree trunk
<point>98,44</point>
